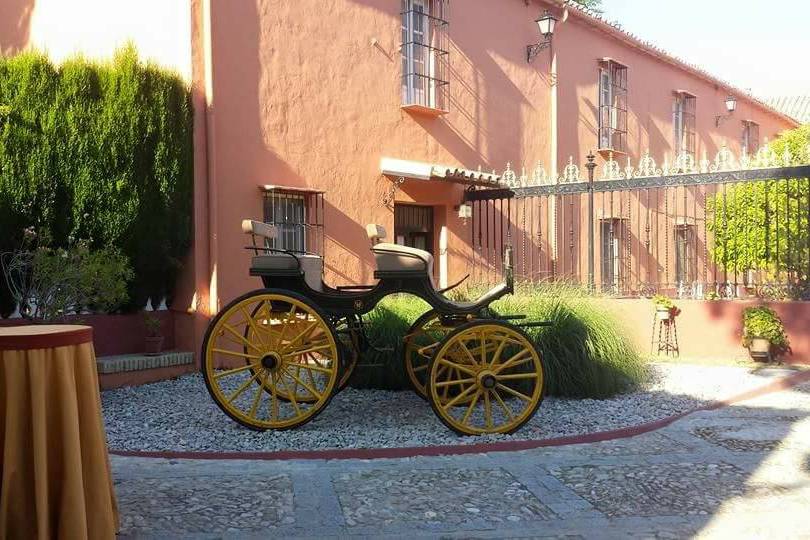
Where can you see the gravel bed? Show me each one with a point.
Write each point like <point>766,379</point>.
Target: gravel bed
<point>179,415</point>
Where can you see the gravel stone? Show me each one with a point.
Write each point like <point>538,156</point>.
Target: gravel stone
<point>179,415</point>
<point>382,496</point>
<point>675,489</point>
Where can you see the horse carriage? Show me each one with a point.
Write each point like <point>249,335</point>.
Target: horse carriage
<point>274,357</point>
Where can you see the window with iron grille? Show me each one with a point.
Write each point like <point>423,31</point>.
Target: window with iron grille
<point>750,136</point>
<point>683,122</point>
<point>288,212</point>
<point>612,106</point>
<point>684,257</point>
<point>424,53</point>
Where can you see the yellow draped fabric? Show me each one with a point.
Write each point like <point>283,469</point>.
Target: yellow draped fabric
<point>56,480</point>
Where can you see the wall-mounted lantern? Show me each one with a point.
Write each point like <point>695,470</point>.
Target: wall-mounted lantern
<point>545,23</point>
<point>731,106</point>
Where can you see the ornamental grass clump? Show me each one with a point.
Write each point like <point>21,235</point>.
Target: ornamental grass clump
<point>586,351</point>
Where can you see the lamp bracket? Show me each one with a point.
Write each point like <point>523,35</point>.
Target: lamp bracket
<point>534,50</point>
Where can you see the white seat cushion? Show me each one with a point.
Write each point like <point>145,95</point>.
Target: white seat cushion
<point>396,258</point>
<point>312,265</point>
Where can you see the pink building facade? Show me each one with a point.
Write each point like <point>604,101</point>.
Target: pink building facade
<point>320,94</point>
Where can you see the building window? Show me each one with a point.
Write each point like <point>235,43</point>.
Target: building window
<point>612,106</point>
<point>684,257</point>
<point>750,136</point>
<point>683,121</point>
<point>288,212</point>
<point>612,256</point>
<point>424,54</point>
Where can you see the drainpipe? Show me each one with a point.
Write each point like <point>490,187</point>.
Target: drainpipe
<point>213,296</point>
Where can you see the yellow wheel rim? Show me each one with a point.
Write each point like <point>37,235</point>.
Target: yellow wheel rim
<point>419,346</point>
<point>265,343</point>
<point>496,379</point>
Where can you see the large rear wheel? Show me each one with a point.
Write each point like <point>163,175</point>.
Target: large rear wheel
<point>263,352</point>
<point>495,376</point>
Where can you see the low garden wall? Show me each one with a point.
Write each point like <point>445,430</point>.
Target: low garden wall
<point>119,334</point>
<point>713,329</point>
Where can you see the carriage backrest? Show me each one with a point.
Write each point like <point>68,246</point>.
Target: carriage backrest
<point>258,228</point>
<point>375,233</point>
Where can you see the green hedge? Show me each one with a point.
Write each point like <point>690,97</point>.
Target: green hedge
<point>586,350</point>
<point>99,151</point>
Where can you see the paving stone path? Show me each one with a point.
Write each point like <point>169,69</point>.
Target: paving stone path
<point>737,472</point>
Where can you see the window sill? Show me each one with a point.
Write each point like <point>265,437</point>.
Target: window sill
<point>424,110</point>
<point>605,153</point>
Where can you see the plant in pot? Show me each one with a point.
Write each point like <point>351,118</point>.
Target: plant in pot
<point>665,308</point>
<point>763,333</point>
<point>154,337</point>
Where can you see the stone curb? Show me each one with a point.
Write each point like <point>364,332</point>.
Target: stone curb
<point>460,449</point>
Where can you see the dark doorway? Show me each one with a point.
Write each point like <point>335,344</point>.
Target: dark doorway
<point>413,226</point>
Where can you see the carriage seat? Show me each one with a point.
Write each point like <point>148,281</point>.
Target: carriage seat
<point>281,263</point>
<point>395,258</point>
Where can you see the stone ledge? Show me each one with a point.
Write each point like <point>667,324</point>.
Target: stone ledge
<point>137,362</point>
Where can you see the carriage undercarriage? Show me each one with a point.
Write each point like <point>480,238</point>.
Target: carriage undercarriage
<point>274,357</point>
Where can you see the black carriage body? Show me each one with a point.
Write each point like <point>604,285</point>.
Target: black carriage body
<point>359,300</point>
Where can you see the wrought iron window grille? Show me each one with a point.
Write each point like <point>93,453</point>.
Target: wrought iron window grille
<point>424,52</point>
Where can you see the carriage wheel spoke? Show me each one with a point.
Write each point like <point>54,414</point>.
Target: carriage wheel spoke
<point>239,354</point>
<point>515,361</point>
<point>242,388</point>
<point>233,371</point>
<point>454,382</point>
<point>529,375</point>
<point>422,367</point>
<point>259,391</point>
<point>467,353</point>
<point>290,395</point>
<point>458,398</point>
<point>453,365</point>
<point>273,398</point>
<point>297,338</point>
<point>503,405</point>
<point>487,410</point>
<point>310,350</point>
<point>471,406</point>
<point>514,392</point>
<point>498,352</point>
<point>307,387</point>
<point>285,322</point>
<point>240,337</point>
<point>252,324</point>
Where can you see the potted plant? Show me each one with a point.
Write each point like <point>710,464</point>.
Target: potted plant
<point>665,308</point>
<point>153,342</point>
<point>763,333</point>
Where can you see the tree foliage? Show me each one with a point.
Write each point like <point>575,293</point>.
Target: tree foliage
<point>763,226</point>
<point>102,152</point>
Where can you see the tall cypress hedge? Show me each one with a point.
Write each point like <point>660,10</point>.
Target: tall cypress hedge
<point>99,151</point>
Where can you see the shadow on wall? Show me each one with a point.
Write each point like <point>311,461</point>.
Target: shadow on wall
<point>15,24</point>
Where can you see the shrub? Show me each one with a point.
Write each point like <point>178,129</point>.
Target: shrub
<point>586,352</point>
<point>49,283</point>
<point>763,322</point>
<point>101,151</point>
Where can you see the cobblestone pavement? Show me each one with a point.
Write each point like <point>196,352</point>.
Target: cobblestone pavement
<point>737,472</point>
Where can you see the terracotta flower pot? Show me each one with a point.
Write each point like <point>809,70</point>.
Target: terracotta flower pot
<point>759,348</point>
<point>153,345</point>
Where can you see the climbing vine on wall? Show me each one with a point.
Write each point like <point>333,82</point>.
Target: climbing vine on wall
<point>100,151</point>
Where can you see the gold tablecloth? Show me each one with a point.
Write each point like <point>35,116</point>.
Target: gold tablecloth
<point>55,480</point>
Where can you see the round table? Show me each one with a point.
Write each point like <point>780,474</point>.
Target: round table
<point>55,480</point>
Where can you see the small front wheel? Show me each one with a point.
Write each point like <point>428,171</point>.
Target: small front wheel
<point>495,374</point>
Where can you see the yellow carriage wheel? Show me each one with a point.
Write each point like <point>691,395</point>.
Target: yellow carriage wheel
<point>262,352</point>
<point>419,344</point>
<point>496,374</point>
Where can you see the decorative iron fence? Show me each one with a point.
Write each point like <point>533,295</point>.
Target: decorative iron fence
<point>725,229</point>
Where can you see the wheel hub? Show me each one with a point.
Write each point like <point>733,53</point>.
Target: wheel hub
<point>487,380</point>
<point>271,361</point>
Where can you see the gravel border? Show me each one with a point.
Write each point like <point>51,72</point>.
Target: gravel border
<point>179,415</point>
